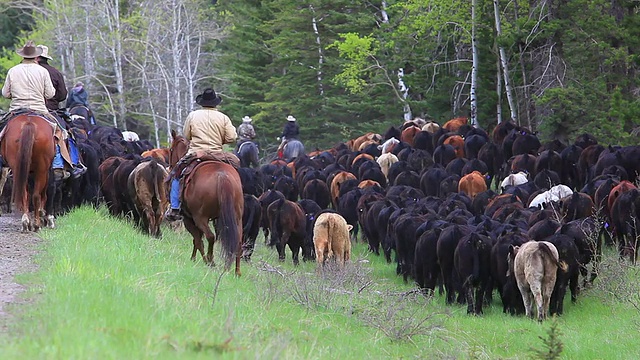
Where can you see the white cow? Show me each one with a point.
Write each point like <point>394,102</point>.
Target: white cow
<point>514,179</point>
<point>130,136</point>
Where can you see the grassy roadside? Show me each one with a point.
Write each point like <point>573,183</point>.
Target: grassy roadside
<point>105,291</point>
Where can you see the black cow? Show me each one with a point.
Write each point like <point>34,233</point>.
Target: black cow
<point>288,226</point>
<point>567,253</point>
<point>472,261</point>
<point>251,220</point>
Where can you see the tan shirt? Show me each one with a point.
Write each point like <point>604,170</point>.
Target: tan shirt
<point>208,129</point>
<point>28,85</point>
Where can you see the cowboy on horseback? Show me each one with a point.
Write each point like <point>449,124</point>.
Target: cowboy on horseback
<point>78,96</point>
<point>290,131</point>
<point>246,132</point>
<point>53,105</point>
<point>28,85</point>
<point>207,129</point>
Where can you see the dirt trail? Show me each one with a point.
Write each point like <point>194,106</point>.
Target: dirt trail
<point>16,257</point>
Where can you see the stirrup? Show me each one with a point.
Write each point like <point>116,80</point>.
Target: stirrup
<point>173,215</point>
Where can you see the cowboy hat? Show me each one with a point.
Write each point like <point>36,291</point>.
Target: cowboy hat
<point>291,118</point>
<point>247,119</point>
<point>208,98</point>
<point>45,52</point>
<point>29,51</point>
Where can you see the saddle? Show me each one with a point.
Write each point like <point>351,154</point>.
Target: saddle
<point>11,114</point>
<point>187,165</point>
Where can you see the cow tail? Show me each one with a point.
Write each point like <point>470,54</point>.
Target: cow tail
<point>545,248</point>
<point>275,233</point>
<point>247,227</point>
<point>476,258</point>
<point>330,231</point>
<point>229,234</point>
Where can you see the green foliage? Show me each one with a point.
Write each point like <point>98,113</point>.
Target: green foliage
<point>552,344</point>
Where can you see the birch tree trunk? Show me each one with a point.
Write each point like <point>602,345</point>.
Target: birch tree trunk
<point>402,87</point>
<point>314,24</point>
<point>474,67</point>
<point>505,66</point>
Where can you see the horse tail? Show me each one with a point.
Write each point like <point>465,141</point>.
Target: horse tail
<point>21,173</point>
<point>229,233</point>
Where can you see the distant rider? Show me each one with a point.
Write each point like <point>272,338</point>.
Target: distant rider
<point>290,131</point>
<point>246,132</point>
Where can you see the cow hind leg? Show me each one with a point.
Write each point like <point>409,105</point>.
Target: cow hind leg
<point>540,304</point>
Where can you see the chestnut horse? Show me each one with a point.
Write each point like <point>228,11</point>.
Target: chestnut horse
<point>28,148</point>
<point>213,191</point>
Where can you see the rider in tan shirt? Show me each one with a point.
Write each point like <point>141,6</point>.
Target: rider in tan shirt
<point>206,129</point>
<point>28,85</point>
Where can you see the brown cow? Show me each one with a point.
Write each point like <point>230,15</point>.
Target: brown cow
<point>458,144</point>
<point>161,154</point>
<point>409,134</point>
<point>357,142</point>
<point>472,184</point>
<point>367,183</point>
<point>338,179</point>
<point>535,265</point>
<point>147,189</point>
<point>331,238</point>
<point>455,124</point>
<point>623,186</point>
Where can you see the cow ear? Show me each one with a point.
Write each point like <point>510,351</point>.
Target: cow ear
<point>173,134</point>
<point>349,227</point>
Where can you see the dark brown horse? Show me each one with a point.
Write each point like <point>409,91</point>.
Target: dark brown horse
<point>213,191</point>
<point>28,148</point>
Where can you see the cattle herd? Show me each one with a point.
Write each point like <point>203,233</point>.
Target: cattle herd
<point>454,207</point>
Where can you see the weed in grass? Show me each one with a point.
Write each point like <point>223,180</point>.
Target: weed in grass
<point>618,282</point>
<point>395,316</point>
<point>552,345</point>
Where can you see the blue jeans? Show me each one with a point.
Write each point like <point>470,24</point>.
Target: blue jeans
<point>58,162</point>
<point>174,196</point>
<point>73,152</point>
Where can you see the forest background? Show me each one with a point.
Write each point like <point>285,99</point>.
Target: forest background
<point>344,67</point>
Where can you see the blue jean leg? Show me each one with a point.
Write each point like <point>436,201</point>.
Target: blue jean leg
<point>174,196</point>
<point>73,152</point>
<point>58,162</point>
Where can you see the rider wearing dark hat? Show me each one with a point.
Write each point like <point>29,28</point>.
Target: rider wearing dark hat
<point>206,129</point>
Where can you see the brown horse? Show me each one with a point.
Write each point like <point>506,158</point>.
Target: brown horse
<point>213,191</point>
<point>28,148</point>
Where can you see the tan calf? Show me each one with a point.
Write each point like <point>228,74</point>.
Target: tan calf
<point>535,265</point>
<point>331,238</point>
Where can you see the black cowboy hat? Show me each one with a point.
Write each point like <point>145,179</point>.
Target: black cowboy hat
<point>29,50</point>
<point>208,98</point>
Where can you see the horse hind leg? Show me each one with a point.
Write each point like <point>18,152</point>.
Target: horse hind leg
<point>197,237</point>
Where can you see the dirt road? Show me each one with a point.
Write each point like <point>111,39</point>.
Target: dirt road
<point>16,257</point>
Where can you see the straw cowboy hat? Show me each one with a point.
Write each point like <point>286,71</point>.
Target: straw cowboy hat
<point>45,52</point>
<point>29,51</point>
<point>246,119</point>
<point>208,98</point>
<point>291,118</point>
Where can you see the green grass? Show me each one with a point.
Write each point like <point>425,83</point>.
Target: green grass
<point>104,291</point>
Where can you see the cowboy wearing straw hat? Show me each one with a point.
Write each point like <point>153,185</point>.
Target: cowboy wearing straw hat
<point>246,132</point>
<point>28,85</point>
